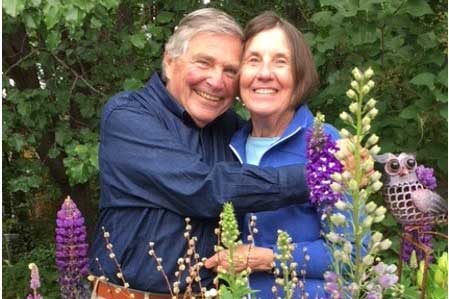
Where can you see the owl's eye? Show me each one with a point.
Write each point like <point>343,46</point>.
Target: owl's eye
<point>393,166</point>
<point>410,163</point>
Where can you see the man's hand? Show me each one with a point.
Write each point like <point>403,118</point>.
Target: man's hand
<point>245,256</point>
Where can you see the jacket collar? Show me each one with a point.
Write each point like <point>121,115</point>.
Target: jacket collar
<point>303,118</point>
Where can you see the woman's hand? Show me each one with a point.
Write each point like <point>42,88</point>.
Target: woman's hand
<point>245,256</point>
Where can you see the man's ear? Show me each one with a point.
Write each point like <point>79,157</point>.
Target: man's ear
<point>168,62</point>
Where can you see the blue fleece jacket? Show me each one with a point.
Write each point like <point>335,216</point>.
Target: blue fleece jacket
<point>302,222</point>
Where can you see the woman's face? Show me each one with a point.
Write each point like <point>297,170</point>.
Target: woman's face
<point>266,75</point>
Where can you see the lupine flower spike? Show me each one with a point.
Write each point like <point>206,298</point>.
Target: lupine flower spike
<point>35,282</point>
<point>322,165</point>
<point>71,250</point>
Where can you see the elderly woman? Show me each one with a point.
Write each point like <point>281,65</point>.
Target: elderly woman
<point>277,74</point>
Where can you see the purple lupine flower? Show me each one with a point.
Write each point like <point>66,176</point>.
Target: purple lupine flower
<point>321,165</point>
<point>71,250</point>
<point>423,237</point>
<point>387,280</point>
<point>35,282</point>
<point>426,177</point>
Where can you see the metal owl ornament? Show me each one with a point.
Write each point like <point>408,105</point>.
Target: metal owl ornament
<point>408,199</point>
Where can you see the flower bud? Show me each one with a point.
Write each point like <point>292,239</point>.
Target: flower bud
<point>357,74</point>
<point>413,260</point>
<point>373,113</point>
<point>385,244</point>
<point>341,205</point>
<point>336,187</point>
<point>370,84</point>
<point>368,165</point>
<point>374,150</point>
<point>354,84</point>
<point>338,219</point>
<point>346,175</point>
<point>370,207</point>
<point>376,237</point>
<point>353,185</point>
<point>351,94</point>
<point>345,116</point>
<point>345,133</point>
<point>365,89</point>
<point>376,186</point>
<point>380,211</point>
<point>378,219</point>
<point>366,128</point>
<point>375,176</point>
<point>371,103</point>
<point>354,106</point>
<point>336,177</point>
<point>368,260</point>
<point>373,139</point>
<point>333,237</point>
<point>367,222</point>
<point>366,121</point>
<point>347,247</point>
<point>368,73</point>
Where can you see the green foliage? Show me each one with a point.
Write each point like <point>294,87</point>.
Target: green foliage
<point>16,276</point>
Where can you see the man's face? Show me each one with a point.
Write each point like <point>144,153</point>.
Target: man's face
<point>204,79</point>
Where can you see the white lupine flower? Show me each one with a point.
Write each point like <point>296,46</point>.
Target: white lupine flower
<point>368,73</point>
<point>357,74</point>
<point>351,94</point>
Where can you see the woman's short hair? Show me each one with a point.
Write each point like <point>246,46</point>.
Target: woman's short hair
<point>202,20</point>
<point>305,74</point>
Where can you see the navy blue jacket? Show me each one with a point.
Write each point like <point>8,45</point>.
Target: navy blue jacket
<point>156,168</point>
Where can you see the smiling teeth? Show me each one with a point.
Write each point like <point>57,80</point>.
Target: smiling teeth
<point>208,96</point>
<point>265,91</point>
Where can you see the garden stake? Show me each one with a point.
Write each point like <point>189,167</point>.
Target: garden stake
<point>407,236</point>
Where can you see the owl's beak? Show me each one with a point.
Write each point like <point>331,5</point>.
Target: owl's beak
<point>403,171</point>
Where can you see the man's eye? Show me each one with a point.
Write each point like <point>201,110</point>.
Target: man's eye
<point>202,63</point>
<point>281,61</point>
<point>231,73</point>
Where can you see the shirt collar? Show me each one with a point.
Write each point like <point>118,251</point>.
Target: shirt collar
<point>302,119</point>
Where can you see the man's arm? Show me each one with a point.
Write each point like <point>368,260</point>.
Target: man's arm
<point>142,162</point>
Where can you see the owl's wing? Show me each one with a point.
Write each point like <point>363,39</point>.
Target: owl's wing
<point>428,201</point>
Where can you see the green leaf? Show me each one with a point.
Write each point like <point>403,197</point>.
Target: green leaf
<point>409,112</point>
<point>51,13</point>
<point>442,76</point>
<point>443,111</point>
<point>53,152</point>
<point>109,3</point>
<point>132,84</point>
<point>30,21</point>
<point>440,95</point>
<point>164,17</point>
<point>322,18</point>
<point>13,7</point>
<point>53,40</point>
<point>138,40</point>
<point>417,8</point>
<point>35,3</point>
<point>95,23</point>
<point>72,14</point>
<point>427,40</point>
<point>426,79</point>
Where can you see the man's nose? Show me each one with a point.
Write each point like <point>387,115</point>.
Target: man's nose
<point>215,79</point>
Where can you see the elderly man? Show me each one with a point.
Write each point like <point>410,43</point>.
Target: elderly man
<point>164,156</point>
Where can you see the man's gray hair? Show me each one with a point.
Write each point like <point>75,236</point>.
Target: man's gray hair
<point>202,20</point>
